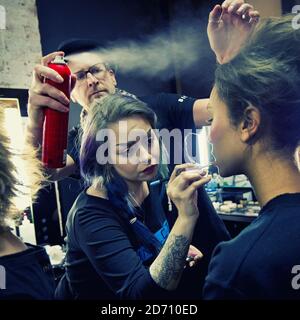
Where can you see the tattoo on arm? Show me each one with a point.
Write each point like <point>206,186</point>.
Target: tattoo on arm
<point>172,257</point>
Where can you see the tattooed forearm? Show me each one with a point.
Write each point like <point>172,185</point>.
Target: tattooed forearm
<point>166,272</point>
<point>168,266</point>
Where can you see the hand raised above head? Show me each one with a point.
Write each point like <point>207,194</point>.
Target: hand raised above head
<point>229,27</point>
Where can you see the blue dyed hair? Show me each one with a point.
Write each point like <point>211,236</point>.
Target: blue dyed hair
<point>102,113</point>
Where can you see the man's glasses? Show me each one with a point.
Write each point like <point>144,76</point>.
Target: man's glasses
<point>97,70</point>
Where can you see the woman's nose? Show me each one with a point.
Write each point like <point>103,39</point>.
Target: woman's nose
<point>145,156</point>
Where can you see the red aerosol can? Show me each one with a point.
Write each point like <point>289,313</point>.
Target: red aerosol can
<point>55,134</point>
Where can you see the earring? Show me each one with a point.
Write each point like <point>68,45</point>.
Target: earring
<point>170,206</point>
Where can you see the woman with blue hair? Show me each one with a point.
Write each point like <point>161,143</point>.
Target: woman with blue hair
<point>118,239</point>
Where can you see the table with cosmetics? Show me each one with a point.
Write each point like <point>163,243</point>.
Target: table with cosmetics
<point>237,216</point>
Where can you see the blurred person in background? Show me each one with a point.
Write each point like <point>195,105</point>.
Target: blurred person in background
<point>27,270</point>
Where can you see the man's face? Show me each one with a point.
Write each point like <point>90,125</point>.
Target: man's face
<point>93,79</point>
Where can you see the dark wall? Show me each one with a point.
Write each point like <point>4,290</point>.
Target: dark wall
<point>104,21</point>
<point>100,20</point>
<point>287,5</point>
<point>107,21</point>
<point>111,20</point>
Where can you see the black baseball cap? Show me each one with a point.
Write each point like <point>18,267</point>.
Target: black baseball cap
<point>76,45</point>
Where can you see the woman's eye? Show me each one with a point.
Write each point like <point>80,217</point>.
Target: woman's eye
<point>129,151</point>
<point>125,152</point>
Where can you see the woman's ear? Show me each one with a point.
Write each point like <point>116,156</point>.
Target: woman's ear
<point>250,124</point>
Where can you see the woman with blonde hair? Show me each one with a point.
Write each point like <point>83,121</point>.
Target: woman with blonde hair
<point>25,268</point>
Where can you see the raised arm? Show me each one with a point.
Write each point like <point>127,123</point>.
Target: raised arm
<point>167,268</point>
<point>229,27</point>
<point>42,95</point>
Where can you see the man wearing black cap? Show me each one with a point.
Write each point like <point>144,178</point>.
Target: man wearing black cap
<point>93,78</point>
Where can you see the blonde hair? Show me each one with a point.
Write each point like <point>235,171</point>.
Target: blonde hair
<point>9,181</point>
